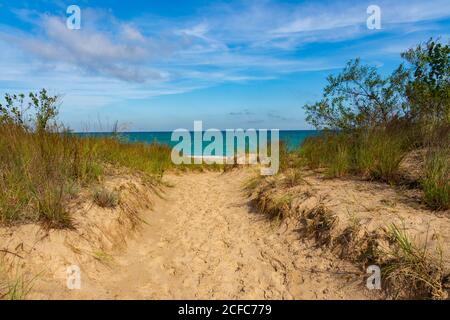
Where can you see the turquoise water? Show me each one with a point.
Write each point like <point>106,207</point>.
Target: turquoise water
<point>292,138</point>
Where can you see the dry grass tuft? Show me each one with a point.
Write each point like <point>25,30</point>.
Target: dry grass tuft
<point>293,177</point>
<point>410,271</point>
<point>319,223</point>
<point>357,245</point>
<point>274,206</point>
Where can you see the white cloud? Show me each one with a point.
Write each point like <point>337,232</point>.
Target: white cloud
<point>131,34</point>
<point>226,42</point>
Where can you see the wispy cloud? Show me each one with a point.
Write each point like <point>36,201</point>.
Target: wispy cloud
<point>245,112</point>
<point>228,42</point>
<point>119,56</point>
<point>278,116</point>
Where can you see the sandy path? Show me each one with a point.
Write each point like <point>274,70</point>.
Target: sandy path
<point>204,241</point>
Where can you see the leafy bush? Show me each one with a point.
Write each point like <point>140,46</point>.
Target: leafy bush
<point>428,90</point>
<point>375,121</point>
<point>38,113</point>
<point>359,97</point>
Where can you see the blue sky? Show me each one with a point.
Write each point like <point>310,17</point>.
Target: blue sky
<point>160,65</point>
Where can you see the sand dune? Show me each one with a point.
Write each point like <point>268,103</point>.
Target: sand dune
<point>202,240</point>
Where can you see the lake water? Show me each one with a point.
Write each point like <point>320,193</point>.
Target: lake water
<point>292,138</point>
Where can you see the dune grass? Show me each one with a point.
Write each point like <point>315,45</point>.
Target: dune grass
<point>375,154</point>
<point>293,177</point>
<point>274,206</point>
<point>409,270</point>
<point>42,170</point>
<point>152,159</point>
<point>340,165</point>
<point>378,154</point>
<point>318,223</point>
<point>436,180</point>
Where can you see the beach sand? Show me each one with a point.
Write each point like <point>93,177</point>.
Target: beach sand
<point>201,240</point>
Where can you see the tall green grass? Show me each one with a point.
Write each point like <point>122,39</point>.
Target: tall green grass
<point>318,151</point>
<point>340,165</point>
<point>375,154</point>
<point>152,159</point>
<point>378,153</point>
<point>39,169</point>
<point>436,180</point>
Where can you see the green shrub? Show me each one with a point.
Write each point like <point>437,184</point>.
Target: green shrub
<point>378,120</point>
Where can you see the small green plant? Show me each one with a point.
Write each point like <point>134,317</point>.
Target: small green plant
<point>105,198</point>
<point>16,288</point>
